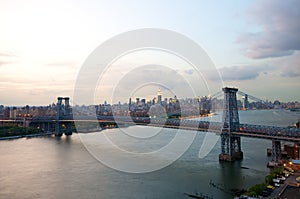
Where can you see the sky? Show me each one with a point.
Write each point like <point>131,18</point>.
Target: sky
<point>253,44</point>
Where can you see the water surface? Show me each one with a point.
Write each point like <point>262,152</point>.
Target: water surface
<point>49,167</point>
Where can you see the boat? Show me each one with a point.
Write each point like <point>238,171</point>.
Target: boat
<point>244,167</point>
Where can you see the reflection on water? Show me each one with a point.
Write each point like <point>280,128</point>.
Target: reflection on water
<point>52,167</point>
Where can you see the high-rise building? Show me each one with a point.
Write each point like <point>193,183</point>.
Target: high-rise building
<point>159,96</point>
<point>129,104</point>
<point>245,102</point>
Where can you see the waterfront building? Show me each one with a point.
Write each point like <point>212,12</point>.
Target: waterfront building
<point>292,151</point>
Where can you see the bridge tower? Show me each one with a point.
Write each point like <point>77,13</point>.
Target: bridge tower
<point>230,144</point>
<point>58,130</point>
<point>63,110</point>
<point>67,109</point>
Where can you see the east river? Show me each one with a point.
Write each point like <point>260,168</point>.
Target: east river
<point>50,167</point>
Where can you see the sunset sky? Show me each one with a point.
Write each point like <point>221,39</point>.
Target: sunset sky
<point>43,44</point>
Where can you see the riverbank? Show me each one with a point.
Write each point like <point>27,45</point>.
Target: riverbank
<point>15,132</point>
<point>266,188</point>
<point>26,136</point>
<point>276,186</point>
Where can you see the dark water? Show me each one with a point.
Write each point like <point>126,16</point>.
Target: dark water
<point>50,167</point>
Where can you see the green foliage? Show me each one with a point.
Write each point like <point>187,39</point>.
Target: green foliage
<point>7,131</point>
<point>277,171</point>
<point>252,194</point>
<point>256,189</point>
<point>269,178</point>
<point>273,174</point>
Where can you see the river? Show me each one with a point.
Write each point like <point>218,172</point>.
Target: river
<point>50,167</point>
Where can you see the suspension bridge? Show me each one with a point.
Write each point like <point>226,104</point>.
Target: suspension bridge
<point>229,129</point>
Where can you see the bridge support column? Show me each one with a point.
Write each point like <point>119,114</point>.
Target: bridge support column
<point>276,151</point>
<point>48,127</point>
<point>230,144</point>
<point>230,148</point>
<point>68,129</point>
<point>58,130</point>
<point>67,110</point>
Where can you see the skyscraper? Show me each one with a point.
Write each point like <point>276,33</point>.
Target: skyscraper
<point>159,96</point>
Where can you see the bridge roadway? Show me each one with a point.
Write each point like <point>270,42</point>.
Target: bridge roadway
<point>245,130</point>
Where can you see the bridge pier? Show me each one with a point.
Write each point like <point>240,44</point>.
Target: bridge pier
<point>276,151</point>
<point>58,129</point>
<point>230,144</point>
<point>230,148</point>
<point>68,129</point>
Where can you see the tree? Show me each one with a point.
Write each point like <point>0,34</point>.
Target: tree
<point>256,189</point>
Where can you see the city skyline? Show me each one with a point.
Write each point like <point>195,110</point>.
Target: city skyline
<point>160,98</point>
<point>44,44</point>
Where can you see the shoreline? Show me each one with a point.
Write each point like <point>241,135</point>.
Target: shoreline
<point>25,136</point>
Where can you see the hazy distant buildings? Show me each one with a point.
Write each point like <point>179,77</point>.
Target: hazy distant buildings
<point>140,107</point>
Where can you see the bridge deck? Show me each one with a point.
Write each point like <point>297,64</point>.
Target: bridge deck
<point>247,130</point>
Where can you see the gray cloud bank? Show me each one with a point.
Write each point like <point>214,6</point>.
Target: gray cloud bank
<point>239,73</point>
<point>280,29</point>
<point>7,54</point>
<point>252,72</point>
<point>242,72</point>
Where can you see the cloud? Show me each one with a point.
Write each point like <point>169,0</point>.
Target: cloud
<point>7,54</point>
<point>4,63</point>
<point>239,73</point>
<point>289,67</point>
<point>62,64</point>
<point>144,82</point>
<point>280,30</point>
<point>290,73</point>
<point>7,58</point>
<point>189,72</point>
